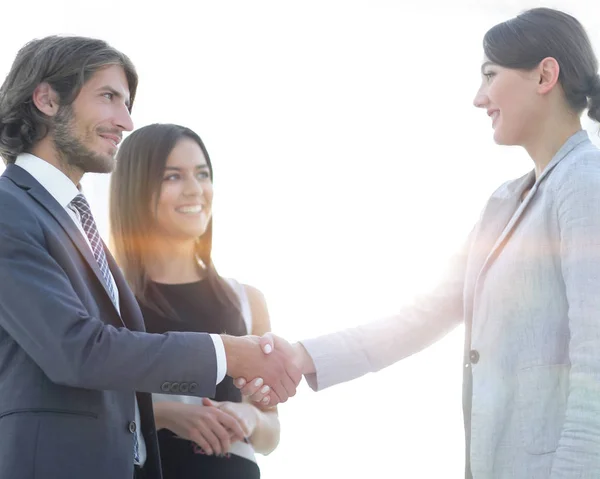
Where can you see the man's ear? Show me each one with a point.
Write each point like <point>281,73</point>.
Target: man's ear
<point>45,99</point>
<point>549,71</point>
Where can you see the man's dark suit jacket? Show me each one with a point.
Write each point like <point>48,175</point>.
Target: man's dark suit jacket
<point>69,362</point>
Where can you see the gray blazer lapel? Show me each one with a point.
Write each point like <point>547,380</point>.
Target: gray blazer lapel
<point>495,221</point>
<point>502,221</point>
<point>47,201</point>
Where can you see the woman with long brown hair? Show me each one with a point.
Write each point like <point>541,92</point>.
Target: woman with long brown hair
<point>161,231</point>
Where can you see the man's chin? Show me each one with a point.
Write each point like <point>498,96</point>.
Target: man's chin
<point>101,164</point>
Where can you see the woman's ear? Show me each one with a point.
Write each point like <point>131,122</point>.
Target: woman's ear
<point>549,71</point>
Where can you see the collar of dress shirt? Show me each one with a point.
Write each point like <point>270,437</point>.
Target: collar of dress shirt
<point>55,181</point>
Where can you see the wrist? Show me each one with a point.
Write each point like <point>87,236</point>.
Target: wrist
<point>302,359</point>
<point>229,344</point>
<point>256,414</point>
<point>161,415</point>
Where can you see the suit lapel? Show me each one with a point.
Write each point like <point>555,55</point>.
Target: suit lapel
<point>47,201</point>
<point>495,222</point>
<point>502,220</point>
<point>130,311</point>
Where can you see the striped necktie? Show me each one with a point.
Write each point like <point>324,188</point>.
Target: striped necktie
<point>89,226</point>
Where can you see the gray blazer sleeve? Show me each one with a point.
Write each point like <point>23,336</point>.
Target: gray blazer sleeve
<point>578,209</point>
<point>351,353</point>
<point>42,314</point>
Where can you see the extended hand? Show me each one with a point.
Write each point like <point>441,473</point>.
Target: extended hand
<point>294,352</point>
<point>245,359</point>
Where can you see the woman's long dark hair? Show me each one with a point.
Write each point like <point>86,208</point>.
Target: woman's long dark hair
<point>134,185</point>
<point>524,41</point>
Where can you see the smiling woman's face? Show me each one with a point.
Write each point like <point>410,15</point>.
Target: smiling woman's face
<point>184,206</point>
<point>511,100</point>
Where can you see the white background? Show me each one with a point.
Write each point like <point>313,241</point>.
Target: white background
<point>349,163</point>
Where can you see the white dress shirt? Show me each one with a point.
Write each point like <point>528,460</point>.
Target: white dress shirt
<point>63,190</point>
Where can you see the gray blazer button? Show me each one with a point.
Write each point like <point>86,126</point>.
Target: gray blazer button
<point>184,387</point>
<point>193,388</point>
<point>166,387</point>
<point>132,427</point>
<point>174,387</point>
<point>474,356</point>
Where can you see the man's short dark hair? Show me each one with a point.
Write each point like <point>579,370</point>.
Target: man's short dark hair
<point>65,63</point>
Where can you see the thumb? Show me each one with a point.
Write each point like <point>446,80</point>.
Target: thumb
<point>239,383</point>
<point>267,343</point>
<point>208,402</point>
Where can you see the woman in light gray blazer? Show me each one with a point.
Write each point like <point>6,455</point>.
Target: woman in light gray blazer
<point>527,284</point>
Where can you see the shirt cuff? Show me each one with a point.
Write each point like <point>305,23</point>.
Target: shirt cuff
<point>221,357</point>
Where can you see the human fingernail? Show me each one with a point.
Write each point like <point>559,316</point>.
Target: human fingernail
<point>266,400</point>
<point>241,382</point>
<point>258,382</point>
<point>268,348</point>
<point>265,389</point>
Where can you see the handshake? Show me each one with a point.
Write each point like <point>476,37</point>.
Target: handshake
<point>266,368</point>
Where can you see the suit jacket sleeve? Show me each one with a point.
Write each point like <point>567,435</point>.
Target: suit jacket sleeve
<point>43,315</point>
<point>578,209</point>
<point>351,353</point>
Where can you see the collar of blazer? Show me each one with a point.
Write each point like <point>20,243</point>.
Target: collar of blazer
<point>505,208</point>
<point>130,314</point>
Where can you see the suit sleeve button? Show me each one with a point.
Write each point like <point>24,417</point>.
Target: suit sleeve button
<point>166,387</point>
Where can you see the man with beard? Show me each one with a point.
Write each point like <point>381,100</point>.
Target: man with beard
<point>72,348</point>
